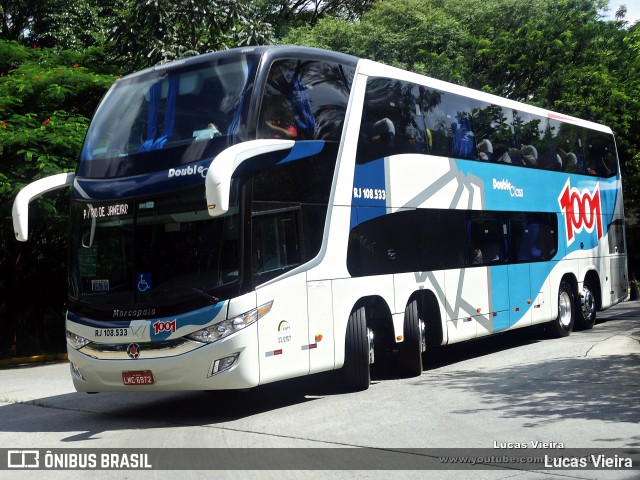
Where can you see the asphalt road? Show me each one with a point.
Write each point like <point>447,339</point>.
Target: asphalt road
<point>582,391</point>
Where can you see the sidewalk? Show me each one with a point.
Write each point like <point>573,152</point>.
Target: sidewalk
<point>13,362</point>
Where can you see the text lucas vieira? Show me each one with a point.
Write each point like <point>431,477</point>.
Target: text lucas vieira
<point>531,444</point>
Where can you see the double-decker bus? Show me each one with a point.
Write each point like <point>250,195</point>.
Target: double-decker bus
<point>258,214</point>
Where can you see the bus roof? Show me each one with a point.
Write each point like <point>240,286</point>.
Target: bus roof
<point>267,52</point>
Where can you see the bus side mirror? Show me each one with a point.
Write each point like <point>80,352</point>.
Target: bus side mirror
<point>20,210</point>
<point>218,180</point>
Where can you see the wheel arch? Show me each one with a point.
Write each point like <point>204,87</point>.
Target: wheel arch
<point>593,278</point>
<point>379,320</point>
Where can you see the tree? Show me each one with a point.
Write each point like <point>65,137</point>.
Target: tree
<point>155,31</point>
<point>74,25</point>
<point>16,17</point>
<point>46,98</point>
<point>284,15</point>
<point>557,54</point>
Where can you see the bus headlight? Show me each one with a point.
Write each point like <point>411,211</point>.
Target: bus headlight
<point>217,331</point>
<point>76,341</point>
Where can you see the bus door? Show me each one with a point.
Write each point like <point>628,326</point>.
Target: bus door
<point>283,334</point>
<point>321,334</point>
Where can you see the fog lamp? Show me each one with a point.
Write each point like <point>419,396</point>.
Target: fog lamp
<point>223,364</point>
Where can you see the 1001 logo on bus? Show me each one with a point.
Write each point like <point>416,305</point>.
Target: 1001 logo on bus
<point>162,326</point>
<point>581,210</point>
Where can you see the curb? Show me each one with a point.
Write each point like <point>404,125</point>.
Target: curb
<point>11,362</point>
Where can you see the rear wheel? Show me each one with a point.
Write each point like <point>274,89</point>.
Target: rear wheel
<point>358,348</point>
<point>414,343</point>
<point>587,313</point>
<point>563,324</point>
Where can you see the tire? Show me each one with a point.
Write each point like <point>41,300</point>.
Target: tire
<point>586,317</point>
<point>562,326</point>
<point>414,342</point>
<point>356,373</point>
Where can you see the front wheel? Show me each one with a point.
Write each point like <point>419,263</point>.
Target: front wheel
<point>358,348</point>
<point>563,324</point>
<point>587,316</point>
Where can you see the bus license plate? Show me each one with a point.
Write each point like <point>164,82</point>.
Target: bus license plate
<point>144,377</point>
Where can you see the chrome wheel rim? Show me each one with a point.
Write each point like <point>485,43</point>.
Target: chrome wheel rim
<point>423,337</point>
<point>588,303</point>
<point>564,308</point>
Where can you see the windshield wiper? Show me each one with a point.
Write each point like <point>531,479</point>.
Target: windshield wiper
<point>211,298</point>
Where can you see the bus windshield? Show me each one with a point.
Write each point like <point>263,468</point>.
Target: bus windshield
<point>158,250</point>
<point>157,119</point>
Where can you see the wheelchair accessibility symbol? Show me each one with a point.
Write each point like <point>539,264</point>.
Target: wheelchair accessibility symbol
<point>144,282</point>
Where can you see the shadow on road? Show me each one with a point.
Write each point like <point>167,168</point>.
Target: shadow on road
<point>605,388</point>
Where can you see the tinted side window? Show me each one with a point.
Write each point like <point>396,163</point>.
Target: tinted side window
<point>401,117</point>
<point>305,100</point>
<point>408,241</point>
<point>533,237</point>
<point>600,155</point>
<point>487,242</point>
<point>616,236</point>
<point>431,239</point>
<point>391,120</point>
<point>288,212</point>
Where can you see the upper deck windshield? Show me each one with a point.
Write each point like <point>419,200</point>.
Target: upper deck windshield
<point>166,117</point>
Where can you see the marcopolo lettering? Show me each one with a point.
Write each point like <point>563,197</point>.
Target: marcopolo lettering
<point>506,185</point>
<point>142,312</point>
<point>189,170</point>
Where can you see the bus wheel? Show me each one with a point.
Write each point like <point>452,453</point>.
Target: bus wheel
<point>587,316</point>
<point>563,325</point>
<point>414,343</point>
<point>358,348</point>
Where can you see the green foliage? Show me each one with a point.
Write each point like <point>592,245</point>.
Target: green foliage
<point>557,54</point>
<point>46,99</point>
<point>413,34</point>
<point>284,16</point>
<point>72,25</point>
<point>16,17</point>
<point>148,32</point>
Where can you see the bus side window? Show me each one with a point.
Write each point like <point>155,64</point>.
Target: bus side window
<point>601,155</point>
<point>305,100</point>
<point>486,234</point>
<point>533,237</point>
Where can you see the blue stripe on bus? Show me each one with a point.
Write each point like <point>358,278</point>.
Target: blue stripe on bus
<point>148,184</point>
<point>499,299</point>
<point>182,176</point>
<point>196,318</point>
<point>303,149</point>
<point>368,185</point>
<point>527,189</point>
